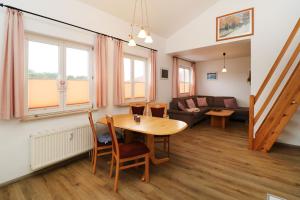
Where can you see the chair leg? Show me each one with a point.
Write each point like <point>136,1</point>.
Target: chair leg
<point>111,165</point>
<point>92,156</point>
<point>117,175</point>
<point>94,161</point>
<point>147,168</point>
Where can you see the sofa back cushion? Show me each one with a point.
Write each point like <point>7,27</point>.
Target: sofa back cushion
<point>230,103</point>
<point>190,103</point>
<point>181,106</point>
<point>209,100</point>
<point>201,101</point>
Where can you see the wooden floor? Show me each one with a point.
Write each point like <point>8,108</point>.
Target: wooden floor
<point>206,163</point>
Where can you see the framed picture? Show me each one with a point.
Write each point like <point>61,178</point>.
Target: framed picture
<point>212,76</point>
<point>164,74</point>
<point>234,25</point>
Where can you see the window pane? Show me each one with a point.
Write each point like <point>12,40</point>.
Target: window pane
<point>186,87</point>
<point>181,87</point>
<point>127,70</point>
<point>128,90</point>
<point>186,75</point>
<point>139,90</point>
<point>139,71</point>
<point>181,74</point>
<point>77,71</point>
<point>42,75</point>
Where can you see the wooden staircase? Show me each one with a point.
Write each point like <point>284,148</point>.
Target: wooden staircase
<point>285,105</point>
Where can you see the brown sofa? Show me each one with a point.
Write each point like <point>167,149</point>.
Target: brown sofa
<point>191,118</point>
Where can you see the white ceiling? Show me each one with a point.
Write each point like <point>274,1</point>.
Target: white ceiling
<point>165,16</point>
<point>233,50</point>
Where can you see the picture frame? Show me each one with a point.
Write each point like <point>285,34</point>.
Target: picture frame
<point>235,25</point>
<point>164,74</point>
<point>212,76</point>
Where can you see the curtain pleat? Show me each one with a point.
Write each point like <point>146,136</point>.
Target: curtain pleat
<point>12,71</point>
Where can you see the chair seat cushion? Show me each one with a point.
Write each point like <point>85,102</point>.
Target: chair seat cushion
<point>132,149</point>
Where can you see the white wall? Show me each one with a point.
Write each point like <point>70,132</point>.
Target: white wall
<point>232,83</point>
<point>273,22</point>
<point>14,135</point>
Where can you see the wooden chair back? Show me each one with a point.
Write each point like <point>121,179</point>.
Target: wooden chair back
<point>139,108</point>
<point>155,105</point>
<point>92,125</point>
<point>112,131</point>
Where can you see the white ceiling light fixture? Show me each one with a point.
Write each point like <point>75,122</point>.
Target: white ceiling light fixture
<point>224,67</point>
<point>144,31</point>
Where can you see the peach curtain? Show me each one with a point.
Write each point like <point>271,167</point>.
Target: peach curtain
<point>193,79</point>
<point>152,82</point>
<point>118,73</point>
<point>175,78</point>
<point>100,50</point>
<point>12,71</point>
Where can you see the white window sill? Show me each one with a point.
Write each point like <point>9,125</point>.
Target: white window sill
<point>55,114</point>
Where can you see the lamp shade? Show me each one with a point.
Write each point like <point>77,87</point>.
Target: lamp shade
<point>131,43</point>
<point>142,33</point>
<point>148,39</point>
<point>224,70</point>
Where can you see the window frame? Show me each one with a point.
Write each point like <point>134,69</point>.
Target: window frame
<point>62,46</point>
<point>184,67</point>
<point>132,58</point>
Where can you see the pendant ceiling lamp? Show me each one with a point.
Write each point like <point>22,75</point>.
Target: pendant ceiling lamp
<point>143,25</point>
<point>224,67</point>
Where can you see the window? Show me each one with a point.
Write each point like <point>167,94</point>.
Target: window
<point>184,79</point>
<point>134,77</point>
<point>58,75</point>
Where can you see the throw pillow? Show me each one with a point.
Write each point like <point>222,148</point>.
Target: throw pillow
<point>193,109</point>
<point>190,103</point>
<point>230,103</point>
<point>181,106</point>
<point>201,101</point>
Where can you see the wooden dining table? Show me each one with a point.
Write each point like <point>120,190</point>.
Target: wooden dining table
<point>150,127</point>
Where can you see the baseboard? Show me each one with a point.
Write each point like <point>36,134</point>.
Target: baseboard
<point>47,169</point>
<point>288,145</point>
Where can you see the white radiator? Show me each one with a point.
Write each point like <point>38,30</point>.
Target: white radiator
<point>56,145</point>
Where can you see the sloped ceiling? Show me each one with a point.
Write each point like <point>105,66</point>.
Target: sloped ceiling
<point>165,16</point>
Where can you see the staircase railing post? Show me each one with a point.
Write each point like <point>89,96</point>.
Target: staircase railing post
<point>251,122</point>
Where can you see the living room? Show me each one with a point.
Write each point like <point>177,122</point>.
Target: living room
<point>77,79</point>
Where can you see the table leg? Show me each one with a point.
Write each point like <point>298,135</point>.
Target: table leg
<point>223,122</point>
<point>151,146</point>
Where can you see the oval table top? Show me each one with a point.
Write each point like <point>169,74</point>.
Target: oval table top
<point>148,125</point>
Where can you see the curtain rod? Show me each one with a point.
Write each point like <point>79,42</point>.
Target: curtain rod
<point>66,23</point>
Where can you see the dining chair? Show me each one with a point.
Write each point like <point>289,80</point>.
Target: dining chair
<point>138,108</point>
<point>124,153</point>
<point>160,110</point>
<point>99,149</point>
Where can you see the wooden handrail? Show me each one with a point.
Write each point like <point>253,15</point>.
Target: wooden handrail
<point>277,84</point>
<point>277,61</point>
<point>251,122</point>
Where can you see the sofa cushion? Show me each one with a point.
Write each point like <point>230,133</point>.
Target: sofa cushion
<point>201,101</point>
<point>181,106</point>
<point>230,103</point>
<point>190,103</point>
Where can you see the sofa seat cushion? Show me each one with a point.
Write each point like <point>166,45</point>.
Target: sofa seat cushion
<point>132,149</point>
